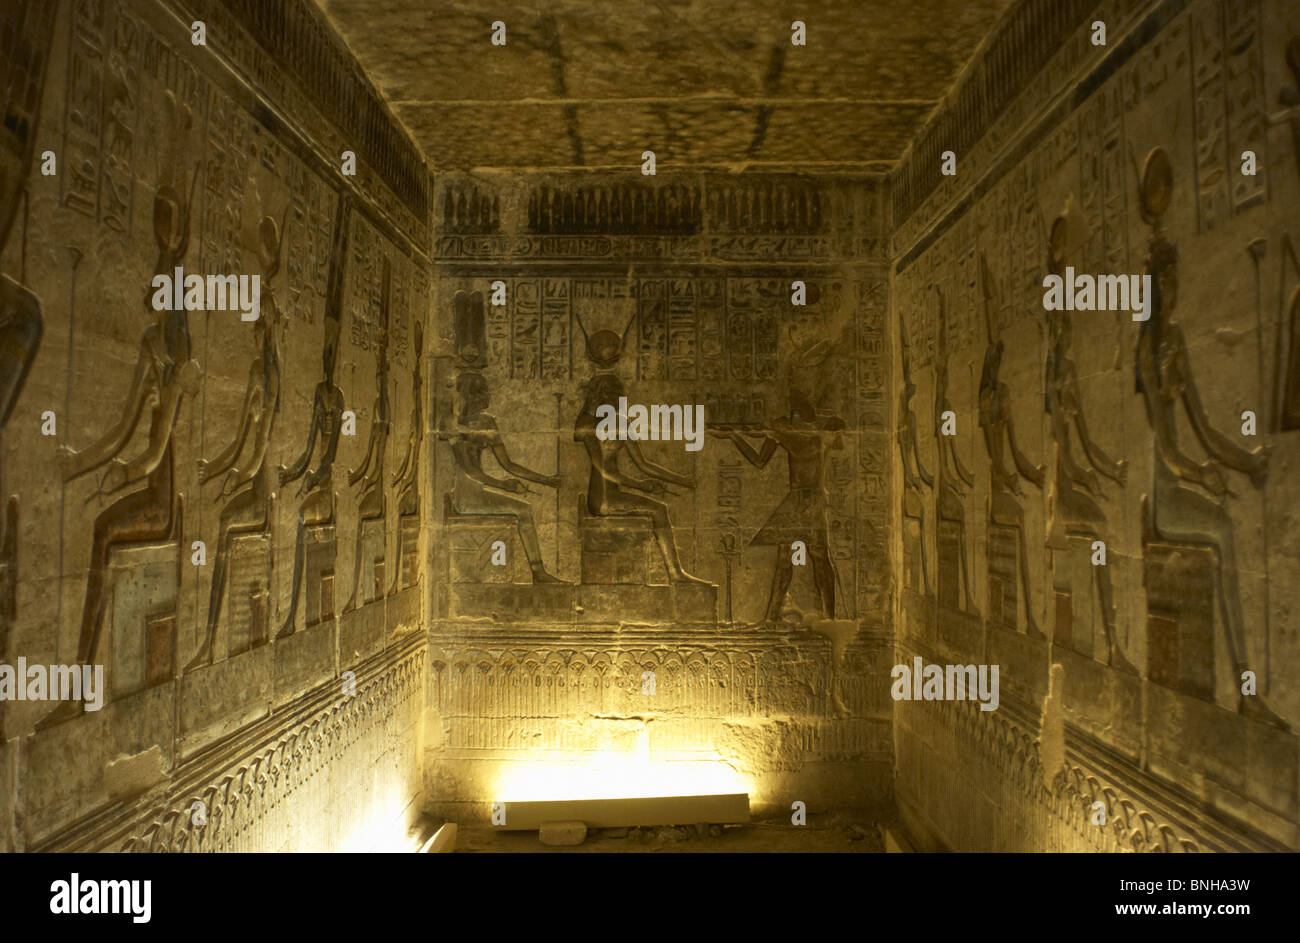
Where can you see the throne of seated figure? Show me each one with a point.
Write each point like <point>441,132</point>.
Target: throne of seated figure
<point>373,536</point>
<point>1180,616</point>
<point>1076,607</point>
<point>408,562</point>
<point>1003,572</point>
<point>619,548</point>
<point>913,556</point>
<point>321,548</point>
<point>1180,584</point>
<point>948,545</point>
<point>247,610</point>
<point>143,581</point>
<point>472,537</point>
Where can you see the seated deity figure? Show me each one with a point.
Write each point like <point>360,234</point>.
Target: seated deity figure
<point>165,373</point>
<point>611,491</point>
<point>951,496</point>
<point>1178,512</point>
<point>1074,511</point>
<point>916,480</point>
<point>406,481</point>
<point>251,486</point>
<point>475,491</point>
<point>999,427</point>
<point>370,499</point>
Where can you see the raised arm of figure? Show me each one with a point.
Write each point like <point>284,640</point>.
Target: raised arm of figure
<point>211,468</point>
<point>466,454</point>
<point>520,471</point>
<point>116,436</point>
<point>295,471</point>
<point>926,478</point>
<point>160,435</point>
<point>1023,465</point>
<point>407,456</point>
<point>371,449</point>
<point>1215,442</point>
<point>1162,422</point>
<point>1097,456</point>
<point>758,459</point>
<point>655,470</point>
<point>957,466</point>
<point>265,420</point>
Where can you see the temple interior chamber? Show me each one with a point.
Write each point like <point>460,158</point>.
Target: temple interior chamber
<point>650,427</point>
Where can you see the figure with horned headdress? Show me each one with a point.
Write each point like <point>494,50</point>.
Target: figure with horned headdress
<point>610,489</point>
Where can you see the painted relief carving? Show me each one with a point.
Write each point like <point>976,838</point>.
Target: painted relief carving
<point>802,514</point>
<point>28,30</point>
<point>1073,510</point>
<point>915,477</point>
<point>950,497</point>
<point>250,487</point>
<point>475,492</point>
<point>370,499</point>
<point>147,481</point>
<point>316,491</point>
<point>1175,511</point>
<point>467,210</point>
<point>1187,566</point>
<point>999,429</point>
<point>629,208</point>
<point>164,373</point>
<point>406,481</point>
<point>612,492</point>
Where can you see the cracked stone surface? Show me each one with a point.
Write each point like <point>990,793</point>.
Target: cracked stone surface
<point>705,82</point>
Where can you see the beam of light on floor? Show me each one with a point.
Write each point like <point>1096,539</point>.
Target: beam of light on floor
<point>616,775</point>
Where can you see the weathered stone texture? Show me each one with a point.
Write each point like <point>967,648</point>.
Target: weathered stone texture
<point>171,427</point>
<point>1201,565</point>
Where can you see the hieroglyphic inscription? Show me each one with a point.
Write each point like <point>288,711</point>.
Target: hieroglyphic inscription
<point>1211,115</point>
<point>226,171</point>
<point>555,329</point>
<point>121,100</point>
<point>652,329</point>
<point>82,119</point>
<point>710,309</point>
<point>1245,91</point>
<point>526,329</point>
<point>681,329</point>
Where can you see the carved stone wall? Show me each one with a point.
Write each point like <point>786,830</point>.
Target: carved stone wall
<point>131,433</point>
<point>1121,683</point>
<point>668,289</point>
<point>332,773</point>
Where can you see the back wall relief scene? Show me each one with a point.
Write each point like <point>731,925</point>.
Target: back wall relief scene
<point>860,433</point>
